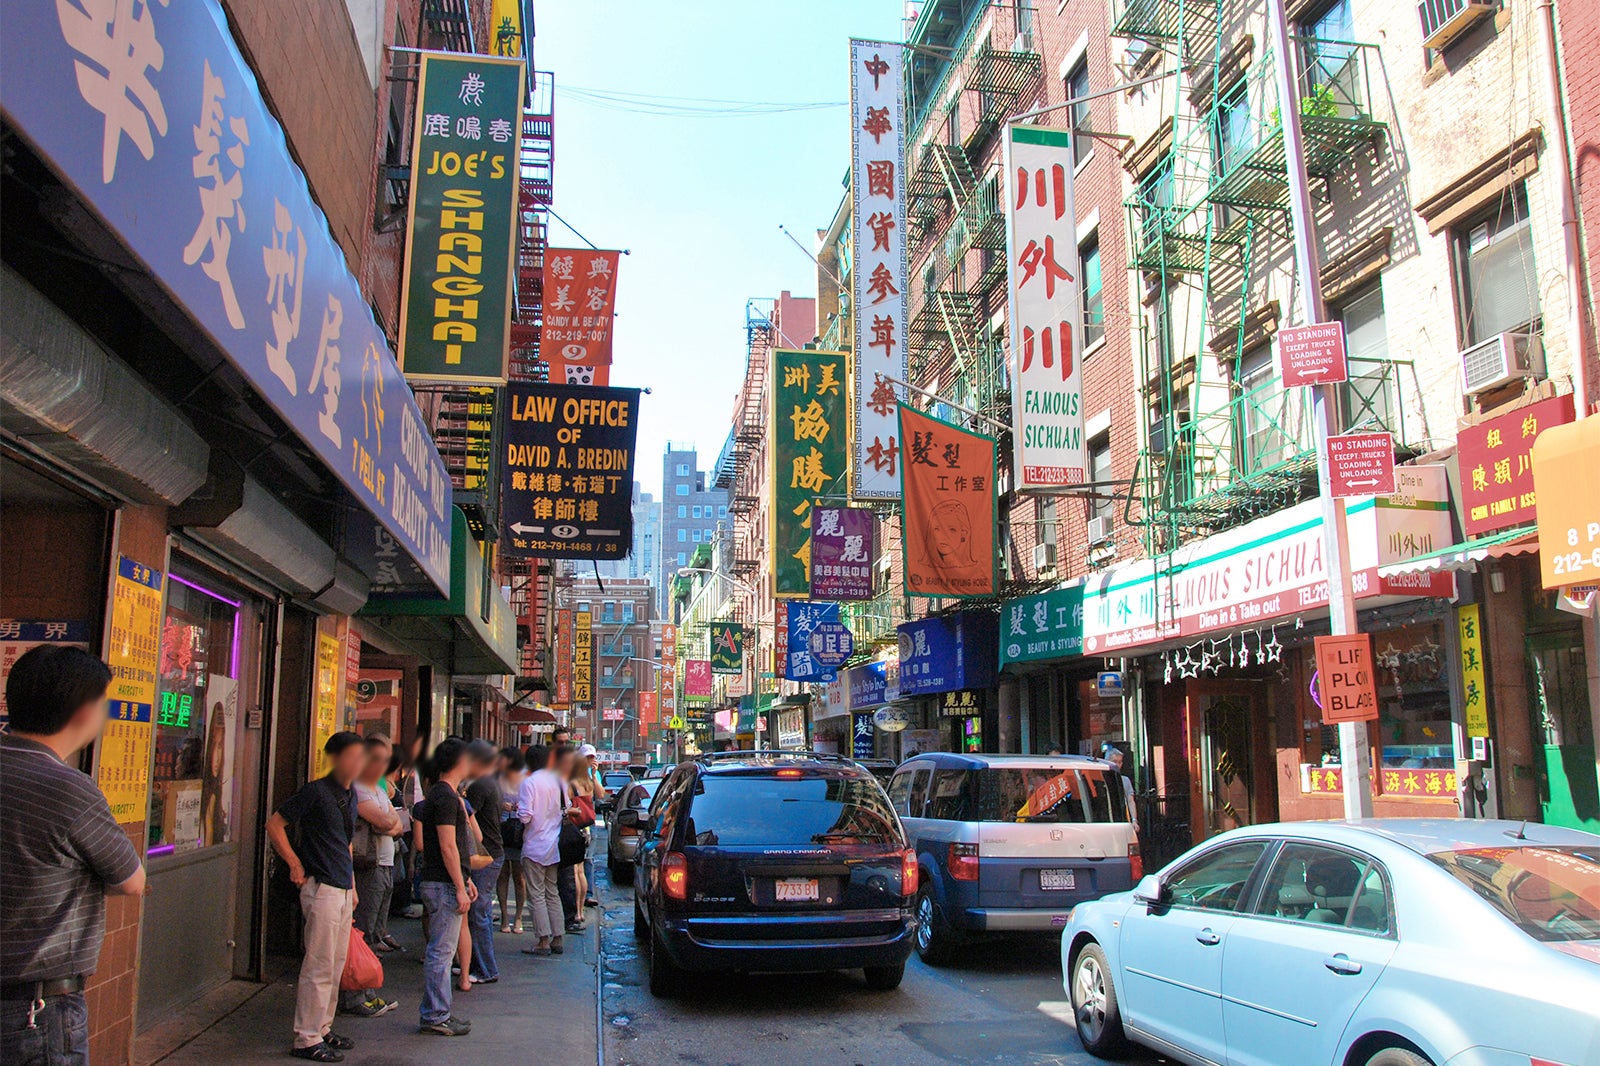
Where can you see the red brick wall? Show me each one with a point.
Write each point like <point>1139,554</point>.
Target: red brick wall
<point>1580,43</point>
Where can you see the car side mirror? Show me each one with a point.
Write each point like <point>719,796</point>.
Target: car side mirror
<point>1152,892</point>
<point>629,819</point>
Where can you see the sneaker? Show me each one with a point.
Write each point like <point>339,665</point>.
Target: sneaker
<point>475,979</point>
<point>451,1026</point>
<point>366,1009</point>
<point>414,911</point>
<point>384,1006</point>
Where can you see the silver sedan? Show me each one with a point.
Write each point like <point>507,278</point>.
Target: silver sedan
<point>622,842</point>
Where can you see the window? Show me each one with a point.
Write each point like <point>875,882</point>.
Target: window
<point>681,490</point>
<point>1094,302</point>
<point>683,558</point>
<point>946,799</point>
<point>1047,519</point>
<point>1232,140</point>
<point>1332,74</point>
<point>1367,394</point>
<point>683,469</point>
<point>755,811</point>
<point>1077,85</point>
<point>683,510</point>
<point>1325,886</point>
<point>1550,893</point>
<point>1496,287</point>
<point>722,512</point>
<point>1076,794</point>
<point>683,536</point>
<point>695,510</point>
<point>1216,880</point>
<point>1266,433</point>
<point>697,536</point>
<point>1102,505</point>
<point>627,616</point>
<point>1155,200</point>
<point>952,124</point>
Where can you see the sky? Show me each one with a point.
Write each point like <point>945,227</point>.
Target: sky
<point>698,200</point>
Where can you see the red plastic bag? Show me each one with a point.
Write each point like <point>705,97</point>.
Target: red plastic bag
<point>362,970</point>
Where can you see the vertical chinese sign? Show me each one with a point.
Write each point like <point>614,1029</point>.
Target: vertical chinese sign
<point>456,303</point>
<point>727,647</point>
<point>949,523</point>
<point>1474,677</point>
<point>506,35</point>
<point>667,676</point>
<point>878,296</point>
<point>808,424</point>
<point>842,551</point>
<point>697,679</point>
<point>580,298</point>
<point>801,620</point>
<point>326,690</point>
<point>564,649</point>
<point>133,652</point>
<point>1046,341</point>
<point>582,657</point>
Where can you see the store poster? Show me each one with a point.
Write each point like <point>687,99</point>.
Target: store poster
<point>222,738</point>
<point>325,692</point>
<point>133,651</point>
<point>19,635</point>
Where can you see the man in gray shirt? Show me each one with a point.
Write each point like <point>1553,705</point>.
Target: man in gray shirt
<point>61,851</point>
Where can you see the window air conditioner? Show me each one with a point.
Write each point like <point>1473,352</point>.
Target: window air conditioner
<point>1099,531</point>
<point>1502,358</point>
<point>1044,556</point>
<point>1444,20</point>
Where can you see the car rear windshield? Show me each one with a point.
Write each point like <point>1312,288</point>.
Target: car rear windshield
<point>1047,794</point>
<point>766,811</point>
<point>616,779</point>
<point>1551,893</point>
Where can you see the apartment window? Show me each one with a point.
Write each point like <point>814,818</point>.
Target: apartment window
<point>1232,137</point>
<point>697,536</point>
<point>722,512</point>
<point>1368,393</point>
<point>683,510</point>
<point>1047,520</point>
<point>627,616</point>
<point>1155,199</point>
<point>952,124</point>
<point>1496,287</point>
<point>683,536</point>
<point>1077,85</point>
<point>681,490</point>
<point>683,558</point>
<point>683,469</point>
<point>1263,402</point>
<point>1332,75</point>
<point>1101,505</point>
<point>695,510</point>
<point>584,605</point>
<point>1094,303</point>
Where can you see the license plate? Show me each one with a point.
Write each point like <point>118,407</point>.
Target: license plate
<point>795,888</point>
<point>1058,880</point>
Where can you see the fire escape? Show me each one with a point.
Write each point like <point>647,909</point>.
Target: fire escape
<point>741,474</point>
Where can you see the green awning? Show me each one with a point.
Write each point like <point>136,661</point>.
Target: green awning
<point>471,631</point>
<point>1523,540</point>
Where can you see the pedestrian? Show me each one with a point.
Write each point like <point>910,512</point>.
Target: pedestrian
<point>560,736</point>
<point>1116,757</point>
<point>324,811</point>
<point>411,791</point>
<point>399,883</point>
<point>540,804</point>
<point>64,852</point>
<point>584,788</point>
<point>511,884</point>
<point>597,799</point>
<point>445,882</point>
<point>483,798</point>
<point>372,854</point>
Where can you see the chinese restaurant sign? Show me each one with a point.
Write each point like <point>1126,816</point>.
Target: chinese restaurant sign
<point>1497,465</point>
<point>582,657</point>
<point>697,679</point>
<point>1474,678</point>
<point>567,480</point>
<point>1046,343</point>
<point>1391,781</point>
<point>133,652</point>
<point>727,647</point>
<point>172,146</point>
<point>842,551</point>
<point>461,240</point>
<point>949,523</point>
<point>878,227</point>
<point>667,674</point>
<point>1046,626</point>
<point>580,298</point>
<point>804,616</point>
<point>809,421</point>
<point>564,650</point>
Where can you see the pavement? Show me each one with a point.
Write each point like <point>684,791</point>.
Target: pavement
<point>541,1010</point>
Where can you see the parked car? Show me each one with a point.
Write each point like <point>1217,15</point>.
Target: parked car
<point>772,861</point>
<point>882,769</point>
<point>613,781</point>
<point>1011,843</point>
<point>1376,943</point>
<point>637,770</point>
<point>623,840</point>
<point>656,772</point>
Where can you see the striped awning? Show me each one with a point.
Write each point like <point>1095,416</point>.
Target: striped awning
<point>1523,540</point>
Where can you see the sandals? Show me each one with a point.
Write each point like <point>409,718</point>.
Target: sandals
<point>317,1053</point>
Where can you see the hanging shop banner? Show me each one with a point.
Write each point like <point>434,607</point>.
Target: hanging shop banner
<point>1474,675</point>
<point>173,148</point>
<point>506,35</point>
<point>667,675</point>
<point>647,708</point>
<point>808,427</point>
<point>326,684</point>
<point>566,486</point>
<point>878,281</point>
<point>564,649</point>
<point>727,647</point>
<point>697,679</point>
<point>133,652</point>
<point>947,652</point>
<point>580,299</point>
<point>1046,344</point>
<point>803,618</point>
<point>1046,626</point>
<point>863,737</point>
<point>582,657</point>
<point>461,237</point>
<point>842,551</point>
<point>866,687</point>
<point>1565,460</point>
<point>1496,457</point>
<point>949,523</point>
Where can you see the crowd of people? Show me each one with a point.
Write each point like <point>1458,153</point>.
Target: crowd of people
<point>462,837</point>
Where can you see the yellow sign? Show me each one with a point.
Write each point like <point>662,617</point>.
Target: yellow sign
<point>325,703</point>
<point>505,28</point>
<point>1564,461</point>
<point>1474,683</point>
<point>582,658</point>
<point>133,652</point>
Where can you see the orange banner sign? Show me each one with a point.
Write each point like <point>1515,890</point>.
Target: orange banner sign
<point>947,481</point>
<point>580,297</point>
<point>1348,689</point>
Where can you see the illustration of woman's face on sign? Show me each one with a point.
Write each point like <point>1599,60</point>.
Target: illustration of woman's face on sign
<point>950,537</point>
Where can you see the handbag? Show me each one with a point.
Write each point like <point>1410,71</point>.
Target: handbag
<point>571,845</point>
<point>512,832</point>
<point>362,970</point>
<point>364,851</point>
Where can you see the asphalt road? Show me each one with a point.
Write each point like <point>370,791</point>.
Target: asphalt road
<point>1002,1004</point>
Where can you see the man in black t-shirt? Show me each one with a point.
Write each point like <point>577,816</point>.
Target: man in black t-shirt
<point>488,808</point>
<point>321,868</point>
<point>445,883</point>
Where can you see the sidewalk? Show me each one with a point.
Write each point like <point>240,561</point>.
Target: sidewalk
<point>543,1008</point>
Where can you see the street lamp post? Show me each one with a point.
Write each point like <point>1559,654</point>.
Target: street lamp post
<point>752,653</point>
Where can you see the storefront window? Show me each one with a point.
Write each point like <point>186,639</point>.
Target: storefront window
<point>196,719</point>
<point>1414,728</point>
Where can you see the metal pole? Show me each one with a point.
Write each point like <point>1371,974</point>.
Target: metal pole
<point>1355,758</point>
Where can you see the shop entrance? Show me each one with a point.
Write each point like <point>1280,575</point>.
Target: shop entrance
<point>1223,718</point>
<point>1568,791</point>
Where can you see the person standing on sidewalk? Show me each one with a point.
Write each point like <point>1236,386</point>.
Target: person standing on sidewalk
<point>63,853</point>
<point>483,797</point>
<point>373,856</point>
<point>540,807</point>
<point>325,812</point>
<point>511,829</point>
<point>447,891</point>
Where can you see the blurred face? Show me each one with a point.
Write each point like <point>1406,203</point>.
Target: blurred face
<point>350,762</point>
<point>377,762</point>
<point>564,763</point>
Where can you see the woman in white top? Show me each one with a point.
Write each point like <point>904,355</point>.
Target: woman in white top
<point>512,772</point>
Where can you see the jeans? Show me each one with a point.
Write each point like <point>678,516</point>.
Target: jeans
<point>444,932</point>
<point>59,1037</point>
<point>544,899</point>
<point>481,918</point>
<point>380,918</point>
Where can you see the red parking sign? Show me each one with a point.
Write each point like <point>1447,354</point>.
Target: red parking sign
<point>1361,464</point>
<point>1312,355</point>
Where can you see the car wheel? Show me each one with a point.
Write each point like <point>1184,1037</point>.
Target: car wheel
<point>666,979</point>
<point>640,929</point>
<point>885,978</point>
<point>934,937</point>
<point>615,869</point>
<point>1397,1056</point>
<point>1094,1005</point>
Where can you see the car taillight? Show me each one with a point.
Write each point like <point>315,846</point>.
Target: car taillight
<point>675,875</point>
<point>908,872</point>
<point>964,862</point>
<point>1135,862</point>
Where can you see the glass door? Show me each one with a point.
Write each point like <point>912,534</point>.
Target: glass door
<point>1559,698</point>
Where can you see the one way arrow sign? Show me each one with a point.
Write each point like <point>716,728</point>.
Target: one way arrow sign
<point>1361,464</point>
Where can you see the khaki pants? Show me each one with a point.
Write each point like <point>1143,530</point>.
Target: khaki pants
<point>544,899</point>
<point>327,912</point>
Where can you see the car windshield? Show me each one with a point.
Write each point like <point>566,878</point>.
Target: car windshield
<point>767,811</point>
<point>642,792</point>
<point>1048,794</point>
<point>1551,893</point>
<point>615,780</point>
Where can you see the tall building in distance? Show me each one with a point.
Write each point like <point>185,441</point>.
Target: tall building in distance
<point>690,512</point>
<point>643,558</point>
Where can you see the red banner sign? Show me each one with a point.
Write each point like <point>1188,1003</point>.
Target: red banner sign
<point>1497,465</point>
<point>580,295</point>
<point>563,693</point>
<point>947,481</point>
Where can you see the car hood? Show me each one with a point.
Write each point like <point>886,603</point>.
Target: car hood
<point>1587,950</point>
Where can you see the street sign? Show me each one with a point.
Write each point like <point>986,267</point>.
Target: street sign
<point>1344,667</point>
<point>1361,464</point>
<point>613,714</point>
<point>1108,684</point>
<point>676,722</point>
<point>831,643</point>
<point>1312,355</point>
